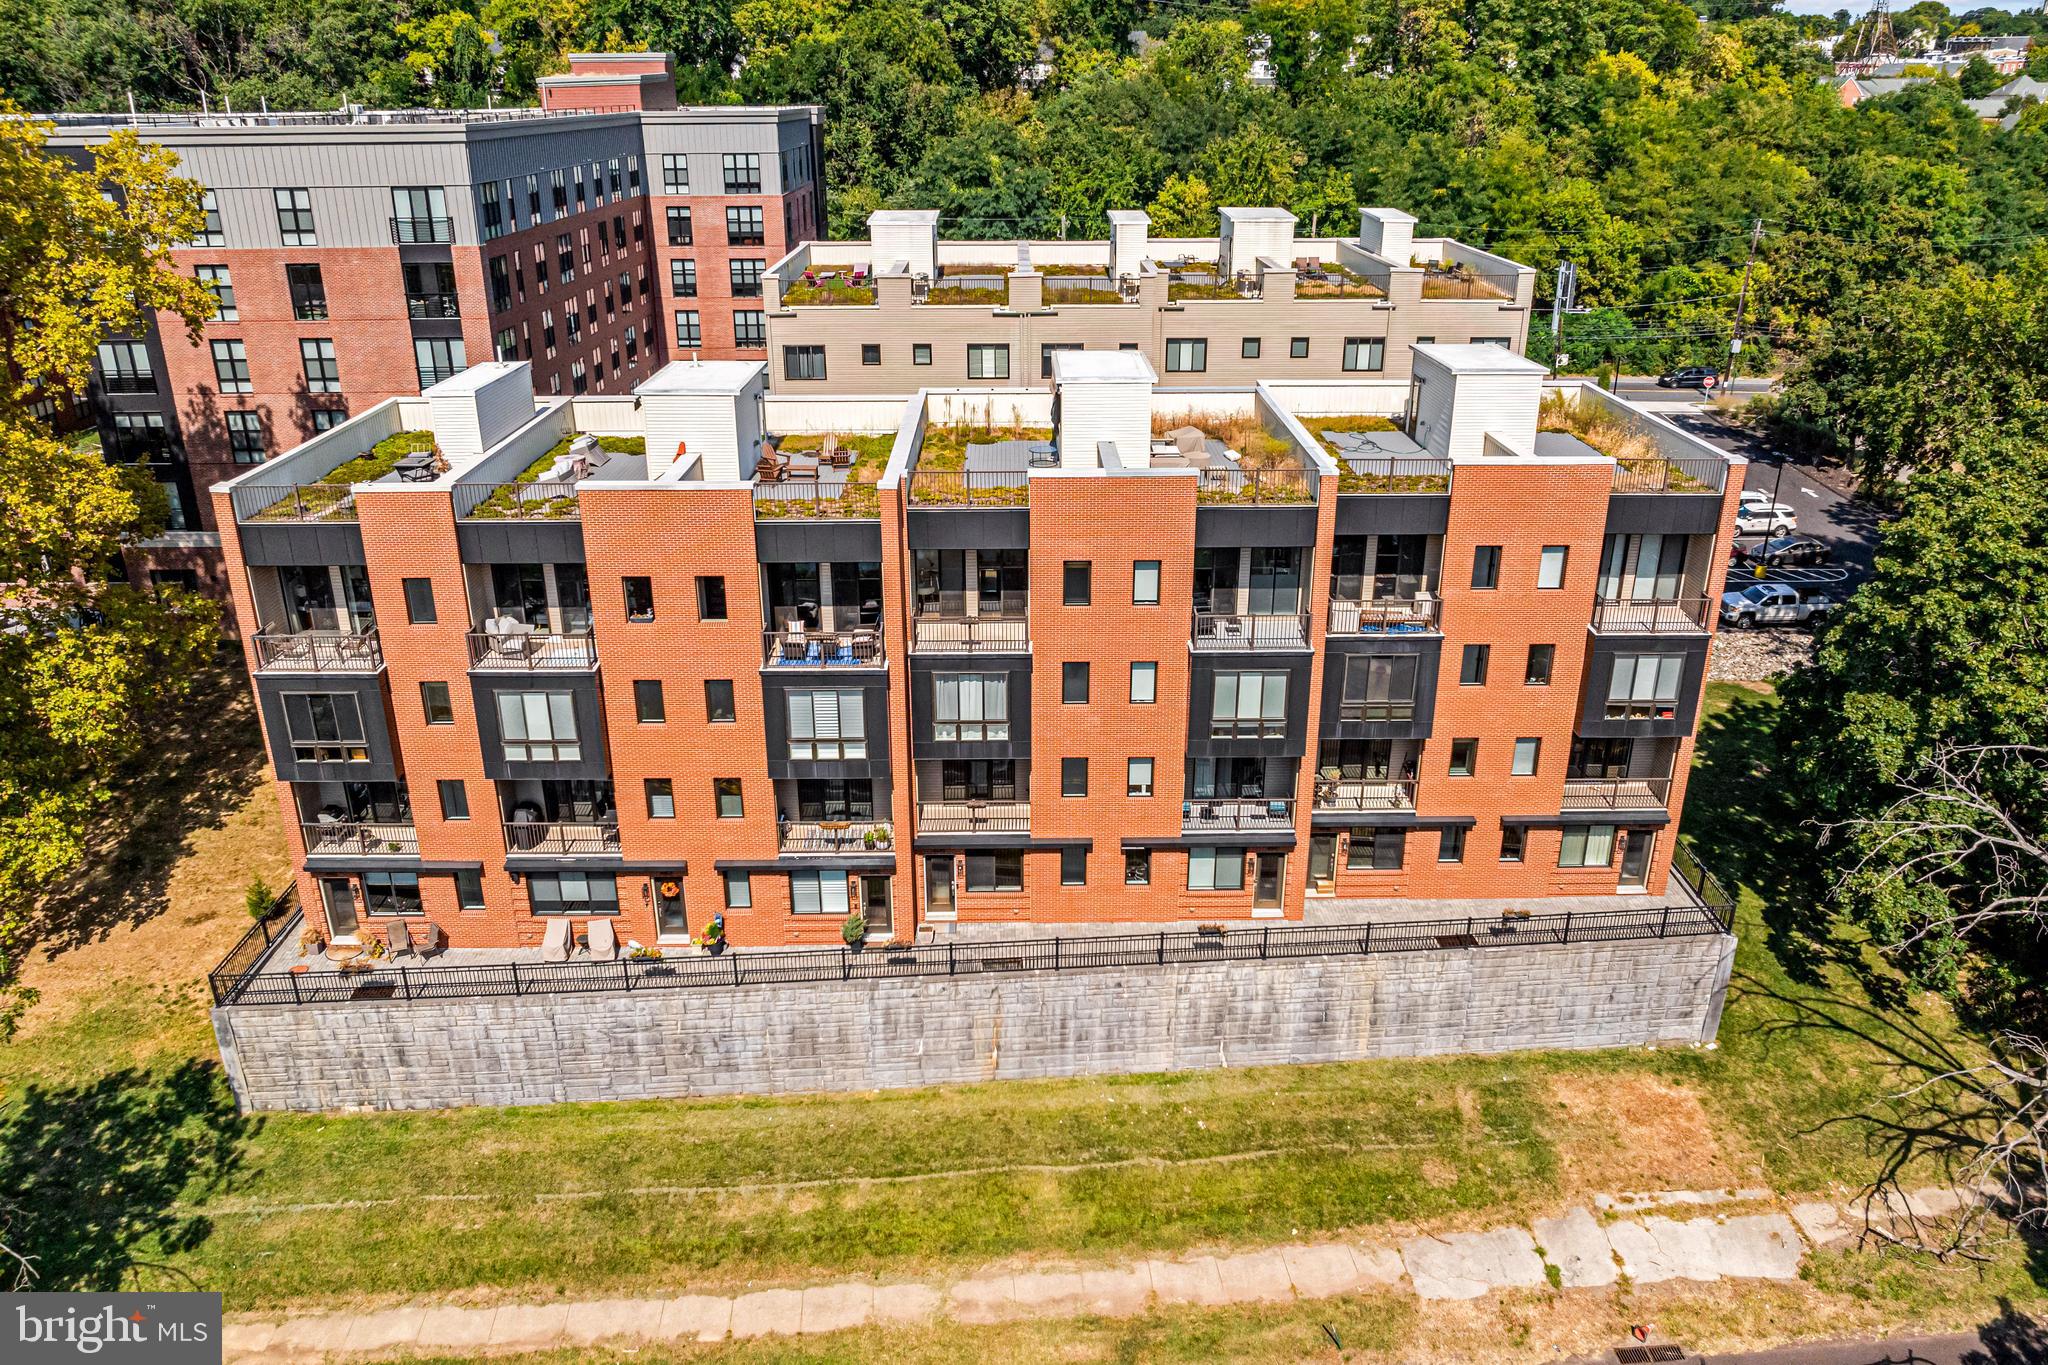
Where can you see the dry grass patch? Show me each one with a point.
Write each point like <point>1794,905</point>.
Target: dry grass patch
<point>1640,1132</point>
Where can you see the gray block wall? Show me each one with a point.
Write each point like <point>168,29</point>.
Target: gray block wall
<point>876,1035</point>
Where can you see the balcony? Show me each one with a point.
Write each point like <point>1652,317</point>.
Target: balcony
<point>974,817</point>
<point>858,648</point>
<point>415,231</point>
<point>333,838</point>
<point>116,381</point>
<point>1650,616</point>
<point>1365,796</point>
<point>319,651</point>
<point>830,837</point>
<point>536,501</point>
<point>1386,616</point>
<point>563,839</point>
<point>1628,793</point>
<point>418,306</point>
<point>1209,815</point>
<point>1214,631</point>
<point>972,635</point>
<point>526,651</point>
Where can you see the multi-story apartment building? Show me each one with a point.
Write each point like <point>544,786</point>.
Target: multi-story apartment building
<point>363,255</point>
<point>905,310</point>
<point>1096,651</point>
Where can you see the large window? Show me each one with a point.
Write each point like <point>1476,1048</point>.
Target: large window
<point>308,291</point>
<point>680,231</point>
<point>1187,355</point>
<point>419,213</point>
<point>675,173</point>
<point>988,362</point>
<point>323,373</point>
<point>538,727</point>
<point>828,723</point>
<point>1377,847</point>
<point>245,436</point>
<point>1365,353</point>
<point>682,279</point>
<point>231,367</point>
<point>438,358</point>
<point>391,893</point>
<point>125,367</point>
<point>325,727</point>
<point>818,893</point>
<point>573,893</point>
<point>803,362</point>
<point>1215,869</point>
<point>750,329</point>
<point>295,217</point>
<point>216,281</point>
<point>743,227</point>
<point>998,870</point>
<point>970,706</point>
<point>689,329</point>
<point>1379,687</point>
<point>1645,687</point>
<point>211,234</point>
<point>1586,846</point>
<point>746,277</point>
<point>1248,705</point>
<point>743,173</point>
<point>141,438</point>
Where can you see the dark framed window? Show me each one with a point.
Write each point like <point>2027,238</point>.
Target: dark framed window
<point>1073,866</point>
<point>1297,348</point>
<point>742,172</point>
<point>1076,585</point>
<point>661,798</point>
<point>1073,777</point>
<point>743,226</point>
<point>1512,840</point>
<point>325,727</point>
<point>295,217</point>
<point>323,372</point>
<point>1045,355</point>
<point>1145,583</point>
<point>1472,668</point>
<point>710,597</point>
<point>573,893</point>
<point>639,589</point>
<point>1541,658</point>
<point>803,362</point>
<point>1365,353</point>
<point>469,888</point>
<point>999,869</point>
<point>439,706</point>
<point>1138,773</point>
<point>217,281</point>
<point>1187,355</point>
<point>454,798</point>
<point>231,367</point>
<point>391,893</point>
<point>727,798</point>
<point>870,353</point>
<point>920,353</point>
<point>1486,566</point>
<point>1377,847</point>
<point>746,277</point>
<point>682,278</point>
<point>750,329</point>
<point>212,234</point>
<point>718,701</point>
<point>675,173</point>
<point>1248,349</point>
<point>1464,757</point>
<point>245,436</point>
<point>1528,753</point>
<point>419,601</point>
<point>649,706</point>
<point>689,328</point>
<point>988,361</point>
<point>1450,844</point>
<point>1074,682</point>
<point>1137,867</point>
<point>680,230</point>
<point>1550,566</point>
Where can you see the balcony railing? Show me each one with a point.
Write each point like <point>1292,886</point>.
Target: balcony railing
<point>114,382</point>
<point>294,502</point>
<point>1628,793</point>
<point>858,648</point>
<point>972,635</point>
<point>1215,631</point>
<point>837,498</point>
<point>1650,616</point>
<point>1257,487</point>
<point>830,836</point>
<point>433,305</point>
<point>969,488</point>
<point>319,651</point>
<point>411,231</point>
<point>516,502</point>
<point>1212,815</point>
<point>566,839</point>
<point>527,651</point>
<point>329,838</point>
<point>1703,475</point>
<point>1365,795</point>
<point>974,817</point>
<point>1386,615</point>
<point>1392,473</point>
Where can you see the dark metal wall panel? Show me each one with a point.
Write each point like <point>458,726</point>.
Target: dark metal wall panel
<point>923,666</point>
<point>367,689</point>
<point>971,528</point>
<point>1202,671</point>
<point>484,690</point>
<point>874,689</point>
<point>1415,514</point>
<point>1600,669</point>
<point>521,542</point>
<point>818,540</point>
<point>296,543</point>
<point>1428,650</point>
<point>1222,527</point>
<point>1670,514</point>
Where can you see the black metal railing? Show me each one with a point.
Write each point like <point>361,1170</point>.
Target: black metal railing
<point>241,984</point>
<point>360,836</point>
<point>1417,615</point>
<point>433,305</point>
<point>1363,794</point>
<point>1704,885</point>
<point>1283,486</point>
<point>1616,793</point>
<point>1229,631</point>
<point>1230,815</point>
<point>855,648</point>
<point>974,816</point>
<point>251,948</point>
<point>321,651</point>
<point>1650,616</point>
<point>115,381</point>
<point>1670,476</point>
<point>528,652</point>
<point>410,231</point>
<point>971,634</point>
<point>538,501</point>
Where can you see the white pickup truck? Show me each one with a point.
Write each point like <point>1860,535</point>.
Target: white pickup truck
<point>1772,604</point>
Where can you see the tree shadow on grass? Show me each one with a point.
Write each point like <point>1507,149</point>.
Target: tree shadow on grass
<point>93,1177</point>
<point>2011,1338</point>
<point>204,755</point>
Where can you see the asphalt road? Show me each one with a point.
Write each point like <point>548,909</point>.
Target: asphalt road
<point>1640,387</point>
<point>2013,1339</point>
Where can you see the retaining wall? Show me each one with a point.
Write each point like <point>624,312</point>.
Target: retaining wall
<point>890,1034</point>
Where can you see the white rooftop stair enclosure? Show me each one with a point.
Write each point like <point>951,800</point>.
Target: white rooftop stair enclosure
<point>705,415</point>
<point>1102,398</point>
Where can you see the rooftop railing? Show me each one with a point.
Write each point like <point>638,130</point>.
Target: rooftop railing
<point>969,488</point>
<point>1393,474</point>
<point>293,502</point>
<point>1696,475</point>
<point>1294,484</point>
<point>516,502</point>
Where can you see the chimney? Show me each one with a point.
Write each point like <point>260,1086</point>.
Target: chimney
<point>474,410</point>
<point>1387,233</point>
<point>1129,241</point>
<point>705,412</point>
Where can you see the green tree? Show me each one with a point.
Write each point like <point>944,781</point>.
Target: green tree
<point>1978,78</point>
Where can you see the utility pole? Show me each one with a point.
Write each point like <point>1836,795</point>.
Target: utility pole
<point>1756,235</point>
<point>1561,301</point>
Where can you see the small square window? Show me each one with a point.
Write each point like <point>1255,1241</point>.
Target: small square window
<point>661,798</point>
<point>1512,838</point>
<point>726,791</point>
<point>469,889</point>
<point>1472,667</point>
<point>1248,348</point>
<point>1073,777</point>
<point>1550,567</point>
<point>1144,684</point>
<point>920,353</point>
<point>1145,583</point>
<point>1137,867</point>
<point>870,353</point>
<point>440,709</point>
<point>1450,844</point>
<point>739,890</point>
<point>1527,751</point>
<point>710,597</point>
<point>718,701</point>
<point>649,707</point>
<point>1139,778</point>
<point>1486,566</point>
<point>1541,657</point>
<point>1074,683</point>
<point>1073,866</point>
<point>1297,349</point>
<point>1076,586</point>
<point>639,597</point>
<point>419,601</point>
<point>454,798</point>
<point>1464,757</point>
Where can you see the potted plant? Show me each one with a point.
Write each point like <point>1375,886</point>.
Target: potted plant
<point>854,929</point>
<point>312,939</point>
<point>878,837</point>
<point>712,940</point>
<point>643,952</point>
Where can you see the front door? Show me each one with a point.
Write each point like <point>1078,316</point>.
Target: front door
<point>670,921</point>
<point>938,886</point>
<point>338,899</point>
<point>874,895</point>
<point>1266,883</point>
<point>1635,859</point>
<point>1322,862</point>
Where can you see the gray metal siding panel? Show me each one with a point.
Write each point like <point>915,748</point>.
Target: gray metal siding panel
<point>308,544</point>
<point>1224,527</point>
<point>804,540</point>
<point>484,689</point>
<point>1364,514</point>
<point>1690,514</point>
<point>971,528</point>
<point>1428,650</point>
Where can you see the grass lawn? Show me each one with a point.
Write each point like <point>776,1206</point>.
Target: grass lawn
<point>300,1212</point>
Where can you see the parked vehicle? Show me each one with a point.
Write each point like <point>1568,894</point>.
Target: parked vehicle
<point>1691,377</point>
<point>1789,551</point>
<point>1775,520</point>
<point>1773,604</point>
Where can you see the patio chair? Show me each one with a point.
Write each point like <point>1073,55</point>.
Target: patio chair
<point>429,939</point>
<point>509,636</point>
<point>832,453</point>
<point>604,940</point>
<point>399,937</point>
<point>554,944</point>
<point>1189,440</point>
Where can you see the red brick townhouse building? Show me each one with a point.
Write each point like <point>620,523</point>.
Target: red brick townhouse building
<point>361,255</point>
<point>1099,651</point>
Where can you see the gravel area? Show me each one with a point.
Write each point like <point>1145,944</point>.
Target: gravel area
<point>1757,655</point>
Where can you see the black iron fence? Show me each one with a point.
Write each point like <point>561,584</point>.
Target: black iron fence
<point>237,982</point>
<point>248,952</point>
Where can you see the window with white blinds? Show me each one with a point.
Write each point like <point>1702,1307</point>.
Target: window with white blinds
<point>970,706</point>
<point>1249,704</point>
<point>828,723</point>
<point>538,727</point>
<point>1645,687</point>
<point>818,893</point>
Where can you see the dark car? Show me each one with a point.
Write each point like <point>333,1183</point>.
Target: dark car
<point>1691,377</point>
<point>1789,551</point>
